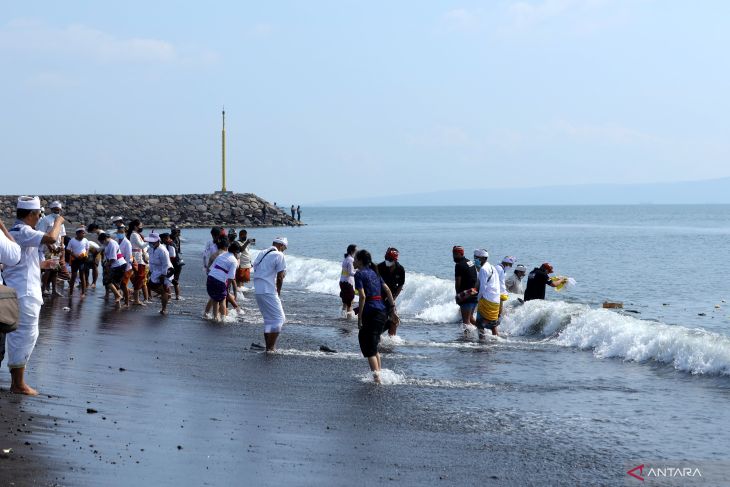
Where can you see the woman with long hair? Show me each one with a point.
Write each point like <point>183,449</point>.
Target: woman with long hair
<point>371,317</point>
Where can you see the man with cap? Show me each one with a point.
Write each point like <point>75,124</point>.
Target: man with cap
<point>537,280</point>
<point>114,265</point>
<point>466,286</point>
<point>490,301</point>
<point>118,222</point>
<point>24,277</point>
<point>269,271</point>
<point>53,252</point>
<point>161,270</point>
<point>9,255</point>
<point>514,282</point>
<point>394,276</point>
<point>78,248</point>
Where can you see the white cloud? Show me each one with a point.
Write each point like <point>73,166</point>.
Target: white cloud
<point>462,20</point>
<point>83,42</point>
<point>526,15</point>
<point>606,133</point>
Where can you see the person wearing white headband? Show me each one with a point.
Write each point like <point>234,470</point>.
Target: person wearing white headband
<point>489,302</point>
<point>160,270</point>
<point>514,282</point>
<point>269,269</point>
<point>79,248</point>
<point>24,277</point>
<point>502,268</point>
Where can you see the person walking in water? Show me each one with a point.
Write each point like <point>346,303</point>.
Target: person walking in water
<point>394,275</point>
<point>347,281</point>
<point>514,282</point>
<point>371,316</point>
<point>465,284</point>
<point>489,295</point>
<point>537,280</point>
<point>269,270</point>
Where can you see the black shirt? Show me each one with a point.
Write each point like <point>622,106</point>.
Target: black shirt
<point>467,271</point>
<point>394,277</point>
<point>536,282</point>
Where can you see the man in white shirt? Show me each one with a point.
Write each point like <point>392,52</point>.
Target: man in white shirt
<point>52,252</point>
<point>114,264</point>
<point>9,255</point>
<point>125,247</point>
<point>211,247</point>
<point>160,270</point>
<point>25,278</point>
<point>489,295</point>
<point>222,272</point>
<point>514,282</point>
<point>79,248</point>
<point>502,268</point>
<point>269,269</point>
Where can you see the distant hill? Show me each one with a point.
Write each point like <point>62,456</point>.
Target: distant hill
<point>713,191</point>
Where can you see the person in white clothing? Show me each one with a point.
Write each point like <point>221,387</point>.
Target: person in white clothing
<point>125,247</point>
<point>502,268</point>
<point>489,295</point>
<point>140,258</point>
<point>269,270</point>
<point>211,247</point>
<point>114,264</point>
<point>161,270</point>
<point>52,255</point>
<point>222,273</point>
<point>25,277</point>
<point>347,281</point>
<point>9,255</point>
<point>79,249</point>
<point>514,282</point>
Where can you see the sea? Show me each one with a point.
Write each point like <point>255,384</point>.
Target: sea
<point>651,380</point>
<point>569,393</point>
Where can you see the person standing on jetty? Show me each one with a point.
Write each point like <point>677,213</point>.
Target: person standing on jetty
<point>9,255</point>
<point>466,286</point>
<point>293,211</point>
<point>299,213</point>
<point>25,277</point>
<point>160,269</point>
<point>371,316</point>
<point>269,270</point>
<point>394,275</point>
<point>140,259</point>
<point>347,281</point>
<point>490,301</point>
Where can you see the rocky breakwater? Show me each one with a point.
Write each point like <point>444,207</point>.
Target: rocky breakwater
<point>160,211</point>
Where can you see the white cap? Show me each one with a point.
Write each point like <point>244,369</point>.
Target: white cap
<point>81,229</point>
<point>481,253</point>
<point>55,204</point>
<point>509,260</point>
<point>152,237</point>
<point>29,203</point>
<point>282,240</point>
<point>117,219</point>
<point>520,268</point>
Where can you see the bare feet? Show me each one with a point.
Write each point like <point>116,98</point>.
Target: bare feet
<point>163,311</point>
<point>24,389</point>
<point>139,303</point>
<point>376,377</point>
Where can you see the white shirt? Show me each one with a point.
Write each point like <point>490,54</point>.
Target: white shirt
<point>125,247</point>
<point>171,251</point>
<point>46,223</point>
<point>348,270</point>
<point>159,263</point>
<point>266,266</point>
<point>94,246</point>
<point>113,254</point>
<point>25,276</point>
<point>210,249</point>
<point>500,273</point>
<point>138,247</point>
<point>78,247</point>
<point>489,283</point>
<point>244,258</point>
<point>9,251</point>
<point>514,284</point>
<point>224,267</point>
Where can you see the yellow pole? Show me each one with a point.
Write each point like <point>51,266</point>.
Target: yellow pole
<point>223,151</point>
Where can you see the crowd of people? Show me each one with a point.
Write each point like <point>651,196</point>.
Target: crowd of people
<point>481,290</point>
<point>38,258</point>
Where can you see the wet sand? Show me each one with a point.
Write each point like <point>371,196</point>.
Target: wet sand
<point>183,401</point>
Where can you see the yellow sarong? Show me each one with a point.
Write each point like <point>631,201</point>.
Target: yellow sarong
<point>488,310</point>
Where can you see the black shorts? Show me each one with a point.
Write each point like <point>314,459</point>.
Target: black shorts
<point>78,265</point>
<point>347,293</point>
<point>373,322</point>
<point>116,274</point>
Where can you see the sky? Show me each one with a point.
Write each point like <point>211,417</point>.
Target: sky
<point>330,100</point>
